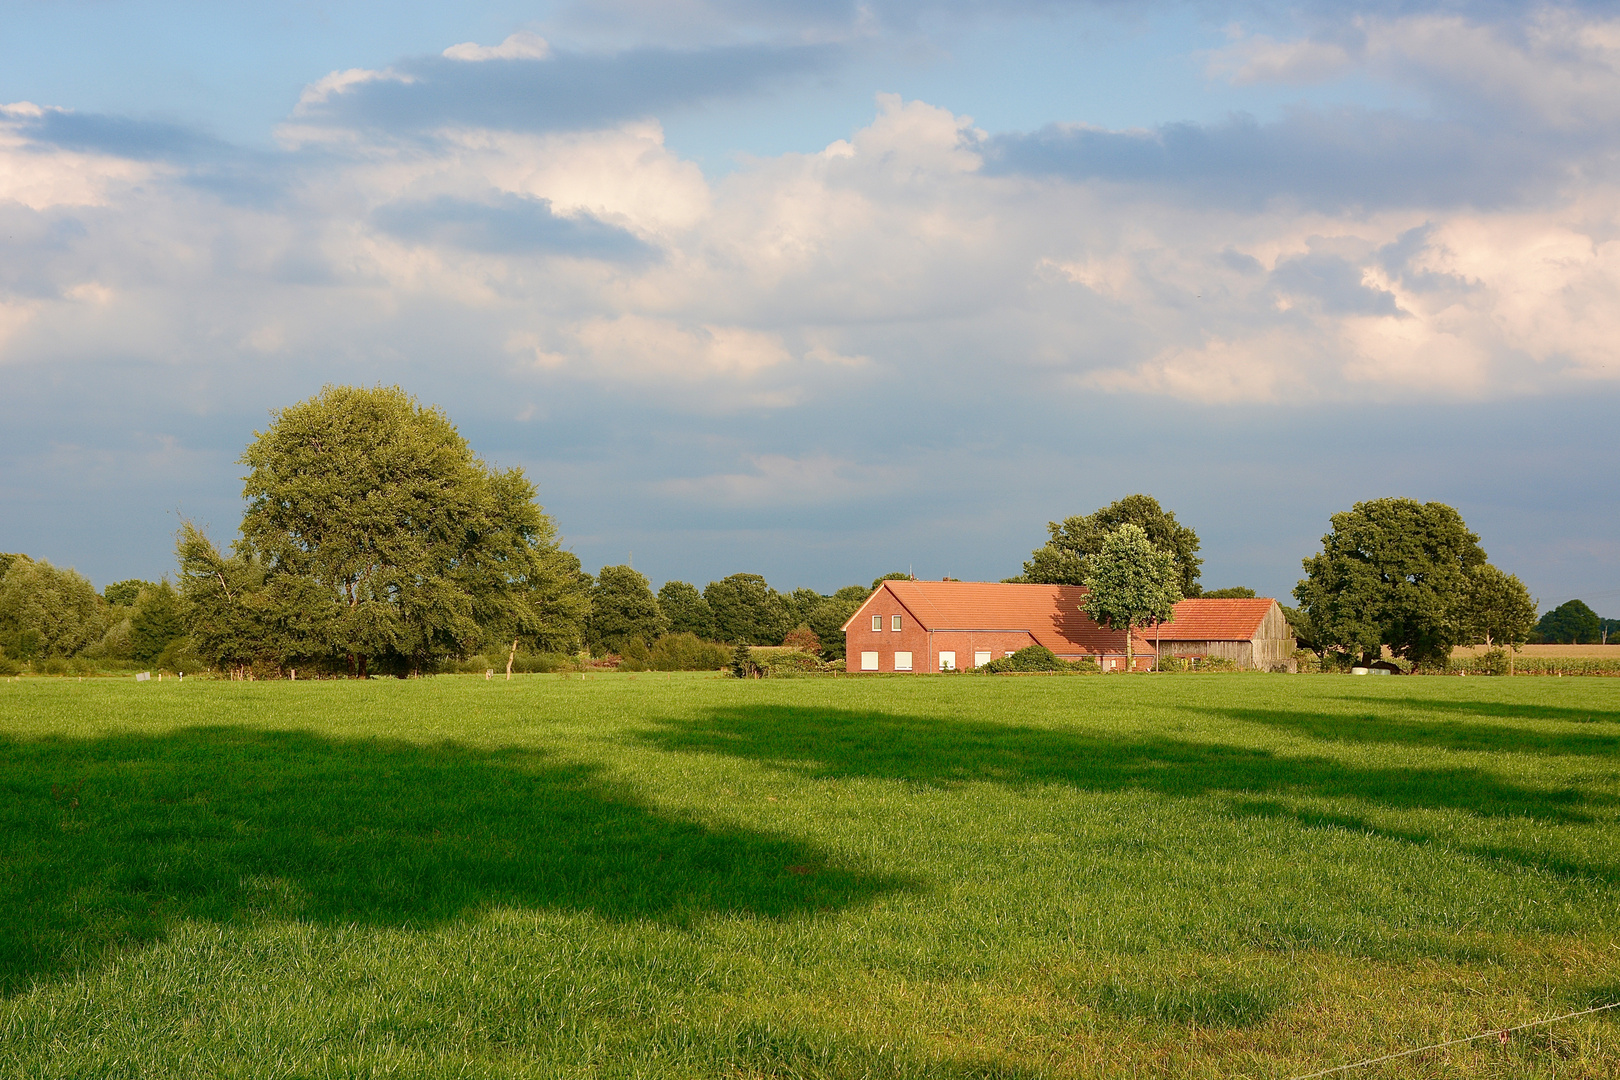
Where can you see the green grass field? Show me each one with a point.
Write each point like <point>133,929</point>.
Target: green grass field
<point>890,877</point>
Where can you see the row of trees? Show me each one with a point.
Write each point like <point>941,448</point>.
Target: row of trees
<point>48,614</point>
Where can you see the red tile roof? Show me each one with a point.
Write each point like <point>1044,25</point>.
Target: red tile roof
<point>1214,620</point>
<point>1049,613</point>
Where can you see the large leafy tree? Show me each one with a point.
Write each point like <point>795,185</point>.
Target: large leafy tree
<point>827,618</point>
<point>404,545</point>
<point>46,611</point>
<point>1131,582</point>
<point>686,610</point>
<point>155,622</point>
<point>746,610</point>
<point>1062,559</point>
<point>1392,572</point>
<point>1570,623</point>
<point>623,607</point>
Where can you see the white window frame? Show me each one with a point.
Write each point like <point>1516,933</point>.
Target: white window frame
<point>877,624</point>
<point>902,661</point>
<point>947,660</point>
<point>894,623</point>
<point>977,662</point>
<point>869,661</point>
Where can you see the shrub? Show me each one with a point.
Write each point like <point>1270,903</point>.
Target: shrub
<point>1216,663</point>
<point>1491,662</point>
<point>687,652</point>
<point>9,667</point>
<point>1036,658</point>
<point>82,665</point>
<point>634,656</point>
<point>802,637</point>
<point>55,665</point>
<point>791,663</point>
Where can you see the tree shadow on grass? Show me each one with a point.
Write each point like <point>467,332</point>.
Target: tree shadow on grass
<point>1443,734</point>
<point>1574,714</point>
<point>845,743</point>
<point>109,841</point>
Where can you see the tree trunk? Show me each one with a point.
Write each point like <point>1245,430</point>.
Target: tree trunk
<point>363,667</point>
<point>510,657</point>
<point>1130,655</point>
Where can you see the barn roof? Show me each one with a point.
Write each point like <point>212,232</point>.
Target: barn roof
<point>1215,620</point>
<point>1049,613</point>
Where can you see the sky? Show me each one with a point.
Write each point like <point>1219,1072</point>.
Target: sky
<point>819,289</point>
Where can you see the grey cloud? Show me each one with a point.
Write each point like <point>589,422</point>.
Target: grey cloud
<point>568,91</point>
<point>1334,282</point>
<point>1335,160</point>
<point>507,224</point>
<point>121,136</point>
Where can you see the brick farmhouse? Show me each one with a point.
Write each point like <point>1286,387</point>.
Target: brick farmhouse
<point>916,626</point>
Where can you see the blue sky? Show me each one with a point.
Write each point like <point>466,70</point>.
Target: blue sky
<point>821,290</point>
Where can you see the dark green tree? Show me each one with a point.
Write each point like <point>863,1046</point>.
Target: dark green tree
<point>797,606</point>
<point>125,593</point>
<point>746,610</point>
<point>1392,572</point>
<point>155,622</point>
<point>1062,559</point>
<point>1131,583</point>
<point>1236,592</point>
<point>1570,623</point>
<point>686,610</point>
<point>827,619</point>
<point>892,575</point>
<point>623,607</point>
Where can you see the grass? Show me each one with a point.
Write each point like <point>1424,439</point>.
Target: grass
<point>673,875</point>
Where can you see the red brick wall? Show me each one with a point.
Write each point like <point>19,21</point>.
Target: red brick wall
<point>912,638</point>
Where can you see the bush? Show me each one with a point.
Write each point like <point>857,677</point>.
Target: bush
<point>634,656</point>
<point>9,667</point>
<point>82,665</point>
<point>791,663</point>
<point>56,665</point>
<point>742,662</point>
<point>1215,663</point>
<point>687,652</point>
<point>802,637</point>
<point>1170,664</point>
<point>179,655</point>
<point>1036,658</point>
<point>1491,662</point>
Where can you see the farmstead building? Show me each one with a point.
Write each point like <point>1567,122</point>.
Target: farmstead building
<point>912,626</point>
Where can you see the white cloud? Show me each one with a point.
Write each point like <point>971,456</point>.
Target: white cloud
<point>522,45</point>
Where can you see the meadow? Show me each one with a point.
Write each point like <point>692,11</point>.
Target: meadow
<point>677,875</point>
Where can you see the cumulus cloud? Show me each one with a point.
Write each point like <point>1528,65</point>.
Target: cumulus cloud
<point>522,45</point>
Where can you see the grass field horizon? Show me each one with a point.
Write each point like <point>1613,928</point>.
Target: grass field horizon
<point>656,875</point>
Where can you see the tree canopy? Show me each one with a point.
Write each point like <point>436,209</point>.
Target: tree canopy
<point>46,611</point>
<point>688,613</point>
<point>1392,572</point>
<point>1496,609</point>
<point>1131,582</point>
<point>746,610</point>
<point>1062,559</point>
<point>623,607</point>
<point>1570,623</point>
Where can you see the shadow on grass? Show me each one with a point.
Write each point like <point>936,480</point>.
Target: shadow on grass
<point>108,841</point>
<point>841,743</point>
<point>1442,734</point>
<point>1574,714</point>
<point>1524,858</point>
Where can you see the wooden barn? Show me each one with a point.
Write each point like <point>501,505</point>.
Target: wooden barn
<point>918,626</point>
<point>1250,633</point>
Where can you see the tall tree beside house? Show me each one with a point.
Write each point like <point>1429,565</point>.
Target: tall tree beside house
<point>746,610</point>
<point>1570,623</point>
<point>623,607</point>
<point>376,513</point>
<point>1131,582</point>
<point>827,618</point>
<point>1496,609</point>
<point>1062,559</point>
<point>1392,572</point>
<point>686,610</point>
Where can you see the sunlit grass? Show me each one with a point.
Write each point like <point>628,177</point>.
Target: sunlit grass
<point>681,875</point>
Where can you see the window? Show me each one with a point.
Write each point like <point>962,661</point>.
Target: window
<point>947,661</point>
<point>980,659</point>
<point>902,661</point>
<point>877,624</point>
<point>868,661</point>
<point>894,624</point>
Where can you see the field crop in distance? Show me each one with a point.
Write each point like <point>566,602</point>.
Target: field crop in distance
<point>890,877</point>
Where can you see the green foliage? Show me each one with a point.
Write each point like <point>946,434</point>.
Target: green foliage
<point>1570,623</point>
<point>686,610</point>
<point>827,619</point>
<point>746,609</point>
<point>1304,630</point>
<point>1237,592</point>
<point>125,593</point>
<point>155,622</point>
<point>1062,559</point>
<point>743,665</point>
<point>791,664</point>
<point>1033,658</point>
<point>1392,572</point>
<point>9,667</point>
<point>633,655</point>
<point>893,575</point>
<point>1491,662</point>
<point>47,612</point>
<point>1496,609</point>
<point>623,607</point>
<point>687,652</point>
<point>797,606</point>
<point>803,638</point>
<point>1131,582</point>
